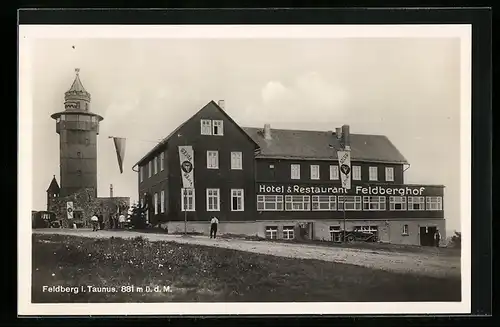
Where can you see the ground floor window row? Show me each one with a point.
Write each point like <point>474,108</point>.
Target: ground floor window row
<point>351,203</point>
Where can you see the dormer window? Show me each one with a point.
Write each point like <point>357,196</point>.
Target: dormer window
<point>218,127</point>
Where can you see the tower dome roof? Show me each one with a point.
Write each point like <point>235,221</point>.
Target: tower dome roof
<point>77,91</point>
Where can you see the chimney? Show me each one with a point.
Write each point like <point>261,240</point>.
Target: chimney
<point>221,104</point>
<point>346,136</point>
<point>338,132</point>
<point>110,190</point>
<point>267,131</point>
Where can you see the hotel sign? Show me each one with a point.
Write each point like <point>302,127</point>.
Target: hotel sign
<point>367,190</point>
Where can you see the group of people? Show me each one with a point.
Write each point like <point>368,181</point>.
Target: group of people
<point>116,222</point>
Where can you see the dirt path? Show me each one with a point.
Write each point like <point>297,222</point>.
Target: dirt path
<point>424,263</point>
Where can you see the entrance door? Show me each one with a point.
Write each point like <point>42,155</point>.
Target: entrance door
<point>427,235</point>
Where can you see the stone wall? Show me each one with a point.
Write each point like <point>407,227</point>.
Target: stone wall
<point>85,205</point>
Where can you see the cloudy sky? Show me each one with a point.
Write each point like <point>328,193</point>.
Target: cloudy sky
<point>405,88</point>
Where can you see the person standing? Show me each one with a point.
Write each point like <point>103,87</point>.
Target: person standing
<point>437,238</point>
<point>213,226</point>
<point>121,220</point>
<point>95,223</point>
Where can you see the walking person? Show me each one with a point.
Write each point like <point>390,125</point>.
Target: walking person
<point>95,223</point>
<point>213,226</point>
<point>437,238</point>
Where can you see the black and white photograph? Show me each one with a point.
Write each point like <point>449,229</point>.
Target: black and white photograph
<point>244,169</point>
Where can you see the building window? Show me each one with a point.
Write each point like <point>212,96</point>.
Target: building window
<point>367,229</point>
<point>162,161</point>
<point>335,233</point>
<point>236,160</point>
<point>373,172</point>
<point>324,202</point>
<point>314,171</point>
<point>206,127</point>
<point>150,164</point>
<point>434,203</point>
<point>397,203</point>
<point>288,232</point>
<point>78,154</point>
<point>156,203</point>
<point>213,159</point>
<point>352,203</point>
<point>187,199</point>
<point>237,202</point>
<point>389,174</point>
<point>270,202</point>
<point>334,172</point>
<point>79,172</point>
<point>213,199</point>
<point>155,164</point>
<point>405,230</point>
<point>374,203</point>
<point>356,173</point>
<point>162,203</point>
<point>295,171</point>
<point>416,203</point>
<point>271,232</point>
<point>87,141</point>
<point>141,173</point>
<point>218,128</point>
<point>297,203</point>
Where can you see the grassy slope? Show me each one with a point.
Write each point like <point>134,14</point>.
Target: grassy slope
<point>199,273</point>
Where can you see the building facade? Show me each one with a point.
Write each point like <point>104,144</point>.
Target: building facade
<point>264,182</point>
<point>78,128</point>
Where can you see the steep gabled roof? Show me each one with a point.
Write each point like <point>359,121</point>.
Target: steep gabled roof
<point>320,145</point>
<point>174,132</point>
<point>53,187</point>
<point>77,85</point>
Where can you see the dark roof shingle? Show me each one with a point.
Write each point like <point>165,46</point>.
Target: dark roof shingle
<point>298,144</point>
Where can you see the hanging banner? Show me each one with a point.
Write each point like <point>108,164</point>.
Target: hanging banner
<point>120,151</point>
<point>69,209</point>
<point>345,168</point>
<point>186,157</point>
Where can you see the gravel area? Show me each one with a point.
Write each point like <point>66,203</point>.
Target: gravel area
<point>430,264</point>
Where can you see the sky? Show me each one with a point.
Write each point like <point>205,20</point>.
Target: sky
<point>405,88</point>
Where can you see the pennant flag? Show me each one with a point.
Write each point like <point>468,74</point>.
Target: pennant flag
<point>120,151</point>
<point>186,157</point>
<point>345,168</point>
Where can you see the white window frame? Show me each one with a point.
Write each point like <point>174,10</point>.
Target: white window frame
<point>238,194</point>
<point>314,172</point>
<point>297,203</point>
<point>353,202</point>
<point>150,166</point>
<point>220,127</point>
<point>389,174</point>
<point>356,173</point>
<point>374,203</point>
<point>294,171</point>
<point>236,160</point>
<point>190,195</point>
<point>271,199</point>
<point>162,161</point>
<point>162,199</point>
<point>141,174</point>
<point>394,200</point>
<point>272,232</point>
<point>373,173</point>
<point>155,165</point>
<point>434,203</point>
<point>155,200</point>
<point>288,233</point>
<point>335,233</point>
<point>213,199</point>
<point>405,230</point>
<point>212,159</point>
<point>334,172</point>
<point>420,200</point>
<point>206,127</point>
<point>324,203</point>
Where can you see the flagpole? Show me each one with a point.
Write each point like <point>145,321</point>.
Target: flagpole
<point>343,209</point>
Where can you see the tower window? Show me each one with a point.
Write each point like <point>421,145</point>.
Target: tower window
<point>79,172</point>
<point>78,154</point>
<point>87,141</point>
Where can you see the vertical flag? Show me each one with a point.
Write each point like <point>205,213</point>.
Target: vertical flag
<point>120,151</point>
<point>69,209</point>
<point>186,157</point>
<point>345,168</point>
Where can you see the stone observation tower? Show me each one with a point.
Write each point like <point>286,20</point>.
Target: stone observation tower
<point>78,128</point>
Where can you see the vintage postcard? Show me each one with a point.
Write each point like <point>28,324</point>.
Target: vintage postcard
<point>244,169</point>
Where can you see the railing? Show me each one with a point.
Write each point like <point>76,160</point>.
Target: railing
<point>78,125</point>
